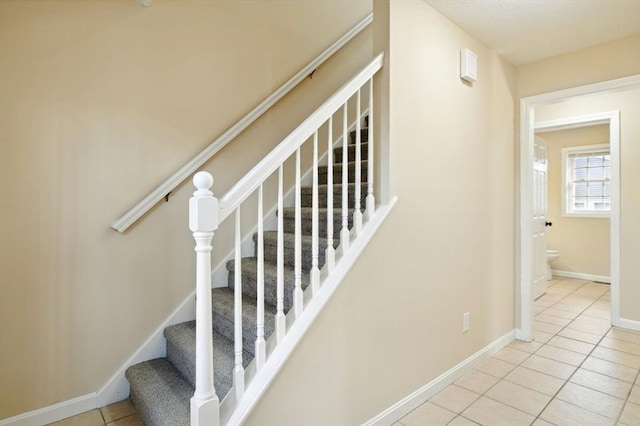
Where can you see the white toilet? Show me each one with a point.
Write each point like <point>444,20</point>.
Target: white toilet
<point>552,255</point>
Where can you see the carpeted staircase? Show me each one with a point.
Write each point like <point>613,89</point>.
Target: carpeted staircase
<point>162,388</point>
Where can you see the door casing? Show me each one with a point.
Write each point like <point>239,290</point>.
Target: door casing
<point>524,302</point>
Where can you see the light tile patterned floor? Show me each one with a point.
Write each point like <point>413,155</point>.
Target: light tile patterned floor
<point>121,413</point>
<point>578,371</point>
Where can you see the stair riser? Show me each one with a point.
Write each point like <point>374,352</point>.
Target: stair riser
<point>306,226</point>
<point>364,136</point>
<point>337,174</point>
<point>224,326</point>
<point>271,254</point>
<point>250,285</point>
<point>186,364</point>
<point>306,196</point>
<point>351,155</point>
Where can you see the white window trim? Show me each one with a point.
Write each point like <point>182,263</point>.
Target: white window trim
<point>566,178</point>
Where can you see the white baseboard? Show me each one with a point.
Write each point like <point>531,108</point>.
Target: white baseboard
<point>581,276</point>
<point>53,413</point>
<point>630,324</point>
<point>117,387</point>
<point>422,395</point>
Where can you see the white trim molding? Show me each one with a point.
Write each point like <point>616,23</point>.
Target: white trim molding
<point>524,223</point>
<point>54,412</point>
<point>422,395</point>
<point>581,276</point>
<point>630,324</point>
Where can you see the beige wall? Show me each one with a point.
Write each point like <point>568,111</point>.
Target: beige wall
<point>608,61</point>
<point>99,102</point>
<point>447,247</point>
<point>627,103</point>
<point>583,242</point>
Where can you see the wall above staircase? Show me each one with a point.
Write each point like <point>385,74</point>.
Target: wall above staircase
<point>101,101</point>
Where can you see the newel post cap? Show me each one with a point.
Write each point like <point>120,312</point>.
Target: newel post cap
<point>203,206</point>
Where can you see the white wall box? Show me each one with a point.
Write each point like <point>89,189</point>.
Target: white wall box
<point>468,65</point>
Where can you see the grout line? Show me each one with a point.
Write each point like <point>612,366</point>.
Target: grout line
<point>579,366</point>
<point>626,401</point>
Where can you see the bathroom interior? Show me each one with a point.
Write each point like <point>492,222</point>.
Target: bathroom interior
<point>578,243</point>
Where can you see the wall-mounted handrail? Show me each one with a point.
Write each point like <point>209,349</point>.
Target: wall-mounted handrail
<point>143,206</point>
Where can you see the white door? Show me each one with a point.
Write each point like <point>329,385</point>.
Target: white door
<point>539,249</point>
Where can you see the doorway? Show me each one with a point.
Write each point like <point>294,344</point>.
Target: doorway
<point>528,126</point>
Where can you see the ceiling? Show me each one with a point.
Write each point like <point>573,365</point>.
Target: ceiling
<point>524,31</point>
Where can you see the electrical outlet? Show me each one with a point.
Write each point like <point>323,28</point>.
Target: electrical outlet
<point>465,322</point>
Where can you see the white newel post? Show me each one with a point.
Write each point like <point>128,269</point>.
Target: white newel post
<point>203,220</point>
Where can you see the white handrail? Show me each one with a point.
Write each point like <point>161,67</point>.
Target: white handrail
<point>143,206</point>
<point>269,164</point>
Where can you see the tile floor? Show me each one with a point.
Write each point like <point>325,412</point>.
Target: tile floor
<point>578,371</point>
<point>121,413</point>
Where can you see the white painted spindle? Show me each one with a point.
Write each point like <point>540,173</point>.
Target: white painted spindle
<point>238,371</point>
<point>370,201</point>
<point>261,353</point>
<point>344,232</point>
<point>315,270</point>
<point>203,220</point>
<point>280,318</point>
<point>330,253</point>
<point>297,292</point>
<point>357,213</point>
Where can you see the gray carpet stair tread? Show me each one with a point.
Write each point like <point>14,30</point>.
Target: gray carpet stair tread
<point>306,194</point>
<point>249,267</point>
<point>271,238</point>
<point>271,252</point>
<point>337,167</point>
<point>306,213</point>
<point>223,317</point>
<point>364,135</point>
<point>181,351</point>
<point>337,172</point>
<point>351,152</point>
<point>160,393</point>
<point>306,223</point>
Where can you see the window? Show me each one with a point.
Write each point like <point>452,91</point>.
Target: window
<point>586,186</point>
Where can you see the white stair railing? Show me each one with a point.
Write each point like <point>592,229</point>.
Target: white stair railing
<point>206,213</point>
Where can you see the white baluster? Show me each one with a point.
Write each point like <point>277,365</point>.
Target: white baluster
<point>203,220</point>
<point>238,371</point>
<point>315,270</point>
<point>280,318</point>
<point>260,343</point>
<point>344,232</point>
<point>371,201</point>
<point>297,292</point>
<point>330,254</point>
<point>357,213</point>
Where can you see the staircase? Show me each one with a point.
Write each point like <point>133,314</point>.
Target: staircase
<point>161,388</point>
